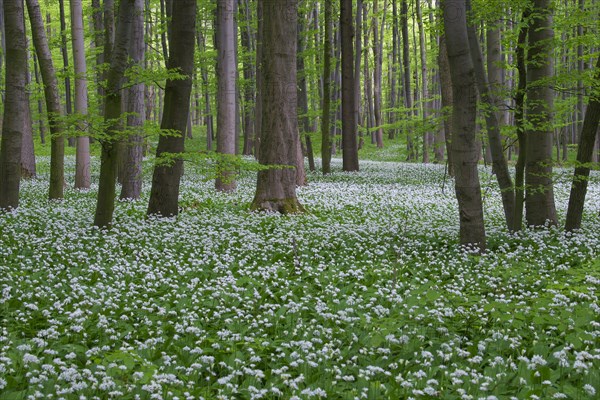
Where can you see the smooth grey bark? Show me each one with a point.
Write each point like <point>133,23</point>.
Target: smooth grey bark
<point>326,112</point>
<point>259,77</point>
<point>136,112</point>
<point>447,101</point>
<point>377,73</point>
<point>357,60</point>
<point>539,199</point>
<point>464,148</point>
<point>112,116</point>
<point>28,170</point>
<point>276,186</point>
<point>82,153</point>
<point>226,95</point>
<point>424,82</point>
<point>164,195</point>
<point>65,57</point>
<point>349,123</point>
<point>249,78</point>
<point>584,156</point>
<point>499,163</point>
<point>15,104</point>
<point>51,95</point>
<point>408,100</point>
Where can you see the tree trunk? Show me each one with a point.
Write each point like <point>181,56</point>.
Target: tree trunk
<point>408,103</point>
<point>259,77</point>
<point>424,83</point>
<point>500,165</point>
<point>208,117</point>
<point>357,59</point>
<point>65,56</point>
<point>250,79</point>
<point>584,156</point>
<point>349,126</point>
<point>82,154</point>
<point>539,200</point>
<point>40,102</point>
<point>164,194</point>
<point>14,105</point>
<point>276,186</point>
<point>51,94</point>
<point>464,148</point>
<point>305,128</point>
<point>325,134</point>
<point>378,59</point>
<point>226,96</point>
<point>111,141</point>
<point>520,121</point>
<point>27,149</point>
<point>136,112</point>
<point>447,101</point>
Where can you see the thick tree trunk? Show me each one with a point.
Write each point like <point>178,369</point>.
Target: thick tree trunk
<point>136,112</point>
<point>327,49</point>
<point>14,105</point>
<point>276,186</point>
<point>349,127</point>
<point>51,95</point>
<point>164,194</point>
<point>539,201</point>
<point>82,155</point>
<point>226,95</point>
<point>584,156</point>
<point>464,149</point>
<point>111,142</point>
<point>499,163</point>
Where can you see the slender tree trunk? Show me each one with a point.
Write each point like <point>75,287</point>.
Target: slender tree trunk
<point>249,78</point>
<point>500,165</point>
<point>408,102</point>
<point>584,156</point>
<point>447,101</point>
<point>539,199</point>
<point>82,155</point>
<point>378,59</point>
<point>27,150</point>
<point>520,121</point>
<point>226,95</point>
<point>303,97</point>
<point>136,112</point>
<point>424,82</point>
<point>65,56</point>
<point>325,134</point>
<point>357,59</point>
<point>15,104</point>
<point>164,194</point>
<point>52,98</point>
<point>208,117</point>
<point>259,78</point>
<point>40,102</point>
<point>112,113</point>
<point>349,126</point>
<point>465,154</point>
<point>98,22</point>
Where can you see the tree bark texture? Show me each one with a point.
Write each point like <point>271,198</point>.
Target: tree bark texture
<point>349,123</point>
<point>51,95</point>
<point>164,194</point>
<point>464,148</point>
<point>14,104</point>
<point>226,96</point>
<point>539,199</point>
<point>276,186</point>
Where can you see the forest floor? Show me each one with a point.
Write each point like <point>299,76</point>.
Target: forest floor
<point>367,295</point>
